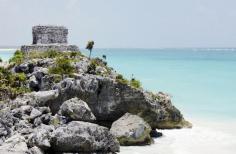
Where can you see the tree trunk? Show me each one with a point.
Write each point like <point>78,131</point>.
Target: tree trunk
<point>90,52</point>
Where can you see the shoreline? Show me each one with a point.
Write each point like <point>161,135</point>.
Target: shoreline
<point>204,137</point>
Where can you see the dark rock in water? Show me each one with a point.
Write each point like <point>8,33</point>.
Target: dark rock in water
<point>83,137</point>
<point>131,130</point>
<point>155,134</point>
<point>77,110</point>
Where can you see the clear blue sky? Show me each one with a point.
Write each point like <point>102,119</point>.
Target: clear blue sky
<point>124,23</point>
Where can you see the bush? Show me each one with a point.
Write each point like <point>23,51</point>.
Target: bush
<point>62,66</point>
<point>120,79</point>
<point>18,57</point>
<point>135,83</point>
<point>52,54</point>
<point>0,59</point>
<point>12,84</point>
<point>92,67</point>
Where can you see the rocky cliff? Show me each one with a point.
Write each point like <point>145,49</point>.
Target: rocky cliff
<point>70,103</point>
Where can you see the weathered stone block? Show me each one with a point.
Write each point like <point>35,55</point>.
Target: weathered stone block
<point>49,34</point>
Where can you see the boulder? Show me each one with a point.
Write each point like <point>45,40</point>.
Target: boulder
<point>39,98</point>
<point>77,110</point>
<point>14,144</point>
<point>41,137</point>
<point>80,136</point>
<point>109,100</point>
<point>131,130</point>
<point>35,113</point>
<point>6,123</point>
<point>35,150</point>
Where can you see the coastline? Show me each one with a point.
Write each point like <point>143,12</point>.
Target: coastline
<point>205,137</point>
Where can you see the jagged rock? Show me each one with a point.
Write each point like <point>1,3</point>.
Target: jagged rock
<point>35,150</point>
<point>26,67</point>
<point>33,83</point>
<point>83,137</point>
<point>35,113</point>
<point>41,137</point>
<point>36,98</point>
<point>23,127</point>
<point>77,110</point>
<point>131,130</point>
<point>155,134</point>
<point>14,144</point>
<point>39,72</point>
<point>45,62</point>
<point>82,66</point>
<point>6,123</point>
<point>44,119</point>
<point>109,100</point>
<point>100,70</point>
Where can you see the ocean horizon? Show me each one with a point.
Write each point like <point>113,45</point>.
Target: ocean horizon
<point>202,83</point>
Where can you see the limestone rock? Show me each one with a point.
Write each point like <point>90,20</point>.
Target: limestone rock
<point>35,113</point>
<point>77,110</point>
<point>41,137</point>
<point>83,137</point>
<point>14,144</point>
<point>109,100</point>
<point>131,130</point>
<point>35,150</point>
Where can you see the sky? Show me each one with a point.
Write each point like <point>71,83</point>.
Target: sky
<point>124,23</point>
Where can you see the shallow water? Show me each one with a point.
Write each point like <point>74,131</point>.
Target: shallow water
<point>203,85</point>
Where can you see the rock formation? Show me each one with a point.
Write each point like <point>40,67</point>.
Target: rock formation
<point>131,130</point>
<point>64,102</point>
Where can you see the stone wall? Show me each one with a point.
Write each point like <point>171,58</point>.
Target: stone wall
<point>43,48</point>
<point>49,34</point>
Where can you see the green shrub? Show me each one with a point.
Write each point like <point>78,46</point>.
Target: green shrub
<point>62,66</point>
<point>73,54</point>
<point>135,83</point>
<point>12,84</point>
<point>52,53</point>
<point>121,79</point>
<point>0,59</point>
<point>92,67</point>
<point>17,58</point>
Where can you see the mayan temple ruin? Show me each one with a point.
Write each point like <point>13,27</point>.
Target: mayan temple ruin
<point>49,38</point>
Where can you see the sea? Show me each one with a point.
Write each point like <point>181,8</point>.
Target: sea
<point>202,83</point>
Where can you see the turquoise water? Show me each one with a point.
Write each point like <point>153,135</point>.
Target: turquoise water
<point>202,82</point>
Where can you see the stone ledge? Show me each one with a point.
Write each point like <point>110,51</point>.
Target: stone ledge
<point>46,47</point>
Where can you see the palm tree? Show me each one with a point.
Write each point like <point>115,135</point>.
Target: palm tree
<point>90,47</point>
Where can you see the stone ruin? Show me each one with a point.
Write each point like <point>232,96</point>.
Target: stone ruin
<point>47,38</point>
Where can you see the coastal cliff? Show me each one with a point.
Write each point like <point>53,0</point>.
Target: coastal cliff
<point>62,101</point>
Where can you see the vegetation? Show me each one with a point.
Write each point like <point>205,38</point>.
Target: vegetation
<point>12,84</point>
<point>63,66</point>
<point>17,58</point>
<point>135,83</point>
<point>90,47</point>
<point>53,54</point>
<point>0,59</point>
<point>94,63</point>
<point>121,79</point>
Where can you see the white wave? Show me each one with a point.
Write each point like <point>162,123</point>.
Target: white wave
<point>203,138</point>
<point>7,49</point>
